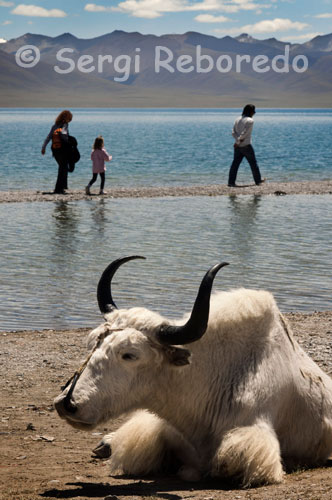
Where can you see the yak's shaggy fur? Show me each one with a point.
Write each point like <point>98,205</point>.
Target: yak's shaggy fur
<point>241,401</point>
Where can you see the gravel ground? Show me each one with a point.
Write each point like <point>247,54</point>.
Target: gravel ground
<point>42,457</point>
<point>268,188</point>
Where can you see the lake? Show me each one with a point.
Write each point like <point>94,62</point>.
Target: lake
<point>52,254</point>
<point>166,147</point>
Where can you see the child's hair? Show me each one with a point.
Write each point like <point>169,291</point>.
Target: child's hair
<point>99,142</point>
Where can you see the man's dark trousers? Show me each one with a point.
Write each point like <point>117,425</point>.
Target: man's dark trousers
<point>240,153</point>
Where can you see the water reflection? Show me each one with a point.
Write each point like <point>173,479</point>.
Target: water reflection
<point>62,253</point>
<point>243,222</point>
<point>245,207</point>
<point>50,272</point>
<point>65,220</point>
<point>98,214</point>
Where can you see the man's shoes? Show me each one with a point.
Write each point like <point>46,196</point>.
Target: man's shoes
<point>261,182</point>
<point>60,192</point>
<point>102,192</point>
<point>232,185</point>
<point>87,190</point>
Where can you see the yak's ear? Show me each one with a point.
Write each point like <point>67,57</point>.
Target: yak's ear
<point>177,356</point>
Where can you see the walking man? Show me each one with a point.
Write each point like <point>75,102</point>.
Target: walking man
<point>242,148</point>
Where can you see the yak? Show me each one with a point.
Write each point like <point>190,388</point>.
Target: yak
<point>241,400</point>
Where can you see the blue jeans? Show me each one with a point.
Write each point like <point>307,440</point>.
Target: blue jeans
<point>248,153</point>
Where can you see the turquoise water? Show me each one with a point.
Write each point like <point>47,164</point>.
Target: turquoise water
<point>52,254</point>
<point>166,147</point>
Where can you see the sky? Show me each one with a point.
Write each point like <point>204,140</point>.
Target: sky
<point>288,20</point>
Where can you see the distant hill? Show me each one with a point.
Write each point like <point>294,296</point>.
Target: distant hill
<point>107,81</point>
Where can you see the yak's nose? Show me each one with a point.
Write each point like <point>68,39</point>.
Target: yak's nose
<point>64,405</point>
<point>70,406</point>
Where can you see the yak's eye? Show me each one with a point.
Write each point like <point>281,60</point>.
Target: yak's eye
<point>129,356</point>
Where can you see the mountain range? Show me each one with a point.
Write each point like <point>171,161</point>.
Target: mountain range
<point>122,69</point>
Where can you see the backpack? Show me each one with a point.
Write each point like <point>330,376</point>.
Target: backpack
<point>73,153</point>
<point>56,138</point>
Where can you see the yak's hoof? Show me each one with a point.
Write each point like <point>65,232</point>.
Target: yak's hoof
<point>103,450</point>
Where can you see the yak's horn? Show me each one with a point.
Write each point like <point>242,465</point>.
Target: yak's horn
<point>196,326</point>
<point>104,292</point>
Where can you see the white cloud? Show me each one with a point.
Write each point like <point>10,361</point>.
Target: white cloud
<point>6,23</point>
<point>267,26</point>
<point>5,4</point>
<point>248,5</point>
<point>151,9</point>
<point>274,25</point>
<point>35,11</point>
<point>294,38</point>
<point>92,7</point>
<point>327,15</point>
<point>209,18</point>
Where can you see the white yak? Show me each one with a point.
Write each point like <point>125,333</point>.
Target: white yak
<point>242,400</point>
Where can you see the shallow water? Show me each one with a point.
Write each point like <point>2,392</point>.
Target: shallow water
<point>53,254</point>
<point>166,147</point>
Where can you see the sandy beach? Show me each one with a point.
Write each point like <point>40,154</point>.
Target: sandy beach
<point>268,188</point>
<point>43,457</point>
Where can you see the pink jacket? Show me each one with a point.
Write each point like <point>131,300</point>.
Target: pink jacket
<point>98,157</point>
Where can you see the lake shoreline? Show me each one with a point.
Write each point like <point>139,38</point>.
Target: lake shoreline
<point>268,188</point>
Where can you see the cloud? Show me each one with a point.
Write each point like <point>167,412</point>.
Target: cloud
<point>274,25</point>
<point>5,4</point>
<point>267,26</point>
<point>92,7</point>
<point>151,9</point>
<point>6,23</point>
<point>248,5</point>
<point>2,40</point>
<point>307,36</point>
<point>35,11</point>
<point>209,18</point>
<point>327,15</point>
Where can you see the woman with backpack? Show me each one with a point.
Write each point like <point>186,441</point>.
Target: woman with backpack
<point>59,135</point>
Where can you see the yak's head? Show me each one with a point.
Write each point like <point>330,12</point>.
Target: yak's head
<point>131,353</point>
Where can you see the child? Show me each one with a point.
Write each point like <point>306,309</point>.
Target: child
<point>98,156</point>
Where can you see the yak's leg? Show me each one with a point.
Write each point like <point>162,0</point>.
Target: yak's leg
<point>146,444</point>
<point>309,446</point>
<point>103,448</point>
<point>324,448</point>
<point>251,454</point>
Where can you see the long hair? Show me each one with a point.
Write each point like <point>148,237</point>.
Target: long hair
<point>99,142</point>
<point>248,110</point>
<point>64,117</point>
